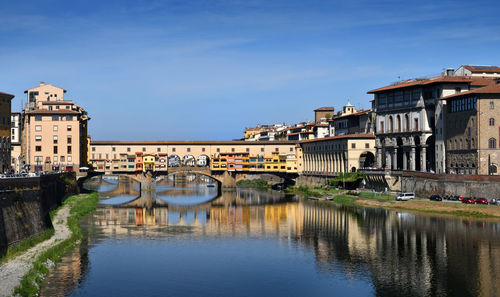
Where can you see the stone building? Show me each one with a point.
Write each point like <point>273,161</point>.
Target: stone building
<point>409,121</point>
<point>54,135</point>
<point>324,113</point>
<point>336,154</point>
<point>5,147</point>
<point>473,131</point>
<point>351,121</point>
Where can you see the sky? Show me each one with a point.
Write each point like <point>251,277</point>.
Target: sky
<point>205,70</point>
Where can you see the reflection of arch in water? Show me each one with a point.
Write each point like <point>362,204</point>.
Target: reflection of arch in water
<point>188,161</point>
<point>174,161</point>
<point>203,161</point>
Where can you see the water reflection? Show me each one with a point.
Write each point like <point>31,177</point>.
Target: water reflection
<point>325,249</point>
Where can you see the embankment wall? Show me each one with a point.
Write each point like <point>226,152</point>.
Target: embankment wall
<point>25,205</point>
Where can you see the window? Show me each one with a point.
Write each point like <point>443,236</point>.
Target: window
<point>173,149</point>
<point>57,107</point>
<point>158,149</point>
<point>93,149</point>
<point>218,150</point>
<point>291,149</point>
<point>382,127</point>
<point>67,106</point>
<point>353,145</point>
<point>457,90</point>
<point>69,150</point>
<point>143,149</point>
<point>62,158</point>
<point>38,137</point>
<point>55,159</point>
<point>55,149</point>
<point>203,149</point>
<point>69,139</point>
<point>492,143</point>
<point>232,149</point>
<point>128,149</point>
<point>55,128</point>
<point>113,149</point>
<point>55,118</point>
<point>492,105</point>
<point>70,159</point>
<point>55,139</point>
<point>38,128</point>
<point>492,122</point>
<point>415,123</point>
<point>38,148</point>
<point>69,128</point>
<point>367,145</point>
<point>38,159</point>
<point>38,118</point>
<point>50,107</point>
<point>188,149</point>
<point>261,149</point>
<point>248,150</point>
<point>69,118</point>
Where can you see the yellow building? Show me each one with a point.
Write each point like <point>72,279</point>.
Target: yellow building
<point>149,162</point>
<point>5,151</point>
<point>291,164</point>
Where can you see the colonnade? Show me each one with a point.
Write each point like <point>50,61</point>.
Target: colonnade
<point>389,154</point>
<point>326,162</point>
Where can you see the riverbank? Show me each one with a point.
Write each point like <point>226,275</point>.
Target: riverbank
<point>23,274</point>
<point>382,200</point>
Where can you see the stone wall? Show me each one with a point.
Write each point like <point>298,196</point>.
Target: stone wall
<point>426,184</point>
<point>25,205</point>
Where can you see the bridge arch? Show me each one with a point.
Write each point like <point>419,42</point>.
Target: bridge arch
<point>203,161</point>
<point>174,161</point>
<point>188,161</point>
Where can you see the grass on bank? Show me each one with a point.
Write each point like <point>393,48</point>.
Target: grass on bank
<point>26,244</point>
<point>81,205</point>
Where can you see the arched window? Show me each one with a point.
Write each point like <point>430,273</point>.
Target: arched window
<point>472,144</point>
<point>382,130</point>
<point>398,127</point>
<point>407,123</point>
<point>461,145</point>
<point>492,122</point>
<point>492,143</point>
<point>391,124</point>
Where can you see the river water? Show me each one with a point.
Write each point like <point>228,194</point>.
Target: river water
<point>188,239</point>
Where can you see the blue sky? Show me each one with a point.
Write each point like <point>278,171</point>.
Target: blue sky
<point>203,70</point>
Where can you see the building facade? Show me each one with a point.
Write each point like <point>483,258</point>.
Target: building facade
<point>351,121</point>
<point>54,131</point>
<point>473,131</point>
<point>409,121</point>
<point>336,154</point>
<point>5,130</point>
<point>322,114</point>
<point>15,136</point>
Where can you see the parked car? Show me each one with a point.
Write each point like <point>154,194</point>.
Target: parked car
<point>405,196</point>
<point>481,200</point>
<point>435,198</point>
<point>495,201</point>
<point>467,200</point>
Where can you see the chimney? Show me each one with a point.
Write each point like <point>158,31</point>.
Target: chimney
<point>450,72</point>
<point>42,83</point>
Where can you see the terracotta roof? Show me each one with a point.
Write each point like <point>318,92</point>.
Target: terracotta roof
<point>161,142</point>
<point>482,69</point>
<point>61,102</point>
<point>57,111</point>
<point>483,81</point>
<point>424,82</point>
<point>322,125</point>
<point>6,94</point>
<point>357,113</point>
<point>348,136</point>
<point>325,108</point>
<point>491,89</point>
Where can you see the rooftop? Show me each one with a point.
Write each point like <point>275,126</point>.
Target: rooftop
<point>482,68</point>
<point>346,136</point>
<point>325,108</point>
<point>491,89</point>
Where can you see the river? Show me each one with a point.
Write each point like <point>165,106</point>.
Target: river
<point>189,239</point>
